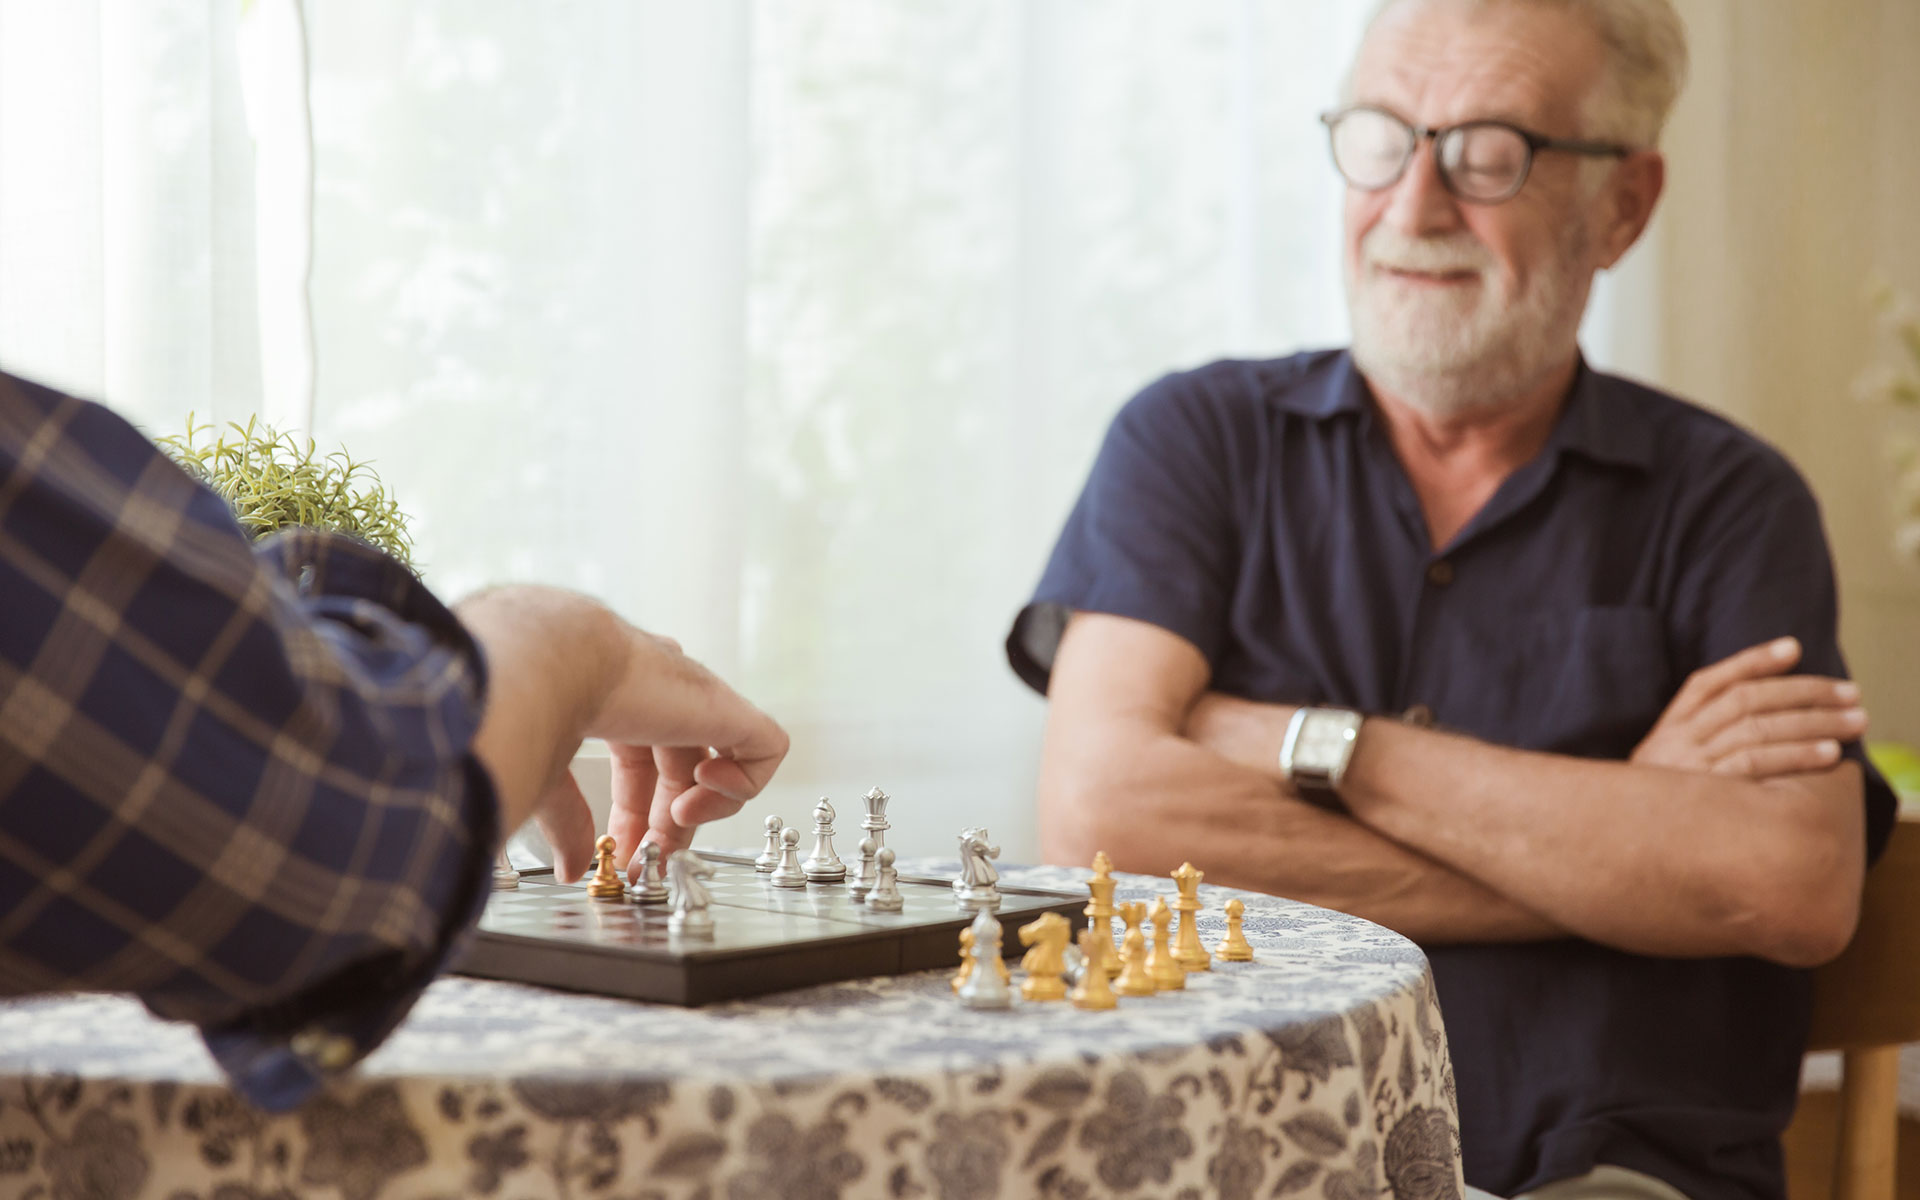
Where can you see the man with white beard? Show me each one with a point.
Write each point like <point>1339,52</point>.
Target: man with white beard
<point>1534,665</point>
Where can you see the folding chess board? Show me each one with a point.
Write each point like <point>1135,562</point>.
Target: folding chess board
<point>765,939</point>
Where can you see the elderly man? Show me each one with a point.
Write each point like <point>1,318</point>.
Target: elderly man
<point>262,791</point>
<point>1532,664</point>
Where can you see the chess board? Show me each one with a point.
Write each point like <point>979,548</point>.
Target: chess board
<point>765,939</point>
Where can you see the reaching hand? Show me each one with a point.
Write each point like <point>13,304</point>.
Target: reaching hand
<point>1744,715</point>
<point>686,749</point>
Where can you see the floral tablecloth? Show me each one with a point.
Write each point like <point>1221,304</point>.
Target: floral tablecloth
<point>1319,1070</point>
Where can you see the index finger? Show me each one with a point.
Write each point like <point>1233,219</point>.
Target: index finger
<point>741,770</point>
<point>1755,662</point>
<point>665,698</point>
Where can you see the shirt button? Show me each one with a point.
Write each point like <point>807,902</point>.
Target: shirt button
<point>1419,715</point>
<point>1440,574</point>
<point>328,1051</point>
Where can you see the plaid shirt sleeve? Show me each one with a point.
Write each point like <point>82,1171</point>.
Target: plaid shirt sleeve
<point>233,781</point>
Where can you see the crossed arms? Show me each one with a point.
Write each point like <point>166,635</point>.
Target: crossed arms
<point>1734,829</point>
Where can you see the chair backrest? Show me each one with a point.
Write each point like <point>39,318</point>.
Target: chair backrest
<point>1870,995</point>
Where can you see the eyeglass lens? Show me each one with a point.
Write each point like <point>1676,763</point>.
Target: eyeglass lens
<point>1486,162</point>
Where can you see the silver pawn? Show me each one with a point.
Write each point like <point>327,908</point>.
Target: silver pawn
<point>770,857</point>
<point>861,881</point>
<point>788,873</point>
<point>823,865</point>
<point>984,988</point>
<point>885,896</point>
<point>505,877</point>
<point>1076,965</point>
<point>651,887</point>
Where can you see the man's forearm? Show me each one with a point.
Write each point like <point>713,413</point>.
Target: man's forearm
<point>1152,799</point>
<point>1645,859</point>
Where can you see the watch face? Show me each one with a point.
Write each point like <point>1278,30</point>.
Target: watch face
<point>1323,742</point>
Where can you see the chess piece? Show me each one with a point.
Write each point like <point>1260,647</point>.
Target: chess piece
<point>651,887</point>
<point>1076,964</point>
<point>606,883</point>
<point>770,856</point>
<point>976,886</point>
<point>966,959</point>
<point>861,879</point>
<point>505,878</point>
<point>1234,947</point>
<point>1134,980</point>
<point>688,872</point>
<point>1093,992</point>
<point>787,873</point>
<point>823,865</point>
<point>1045,963</point>
<point>985,989</point>
<point>1167,973</point>
<point>875,824</point>
<point>1187,950</point>
<point>1100,915</point>
<point>885,896</point>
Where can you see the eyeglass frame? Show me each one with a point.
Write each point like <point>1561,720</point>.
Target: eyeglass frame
<point>1535,143</point>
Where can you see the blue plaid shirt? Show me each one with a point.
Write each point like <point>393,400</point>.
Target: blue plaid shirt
<point>235,780</point>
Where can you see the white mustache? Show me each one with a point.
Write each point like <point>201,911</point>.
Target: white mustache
<point>1430,256</point>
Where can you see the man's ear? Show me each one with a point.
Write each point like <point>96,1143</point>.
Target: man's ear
<point>1627,203</point>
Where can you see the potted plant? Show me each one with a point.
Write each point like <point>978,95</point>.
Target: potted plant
<point>273,480</point>
<point>1897,385</point>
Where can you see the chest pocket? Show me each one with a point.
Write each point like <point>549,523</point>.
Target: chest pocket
<point>1585,681</point>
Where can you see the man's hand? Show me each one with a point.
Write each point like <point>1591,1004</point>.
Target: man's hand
<point>686,748</point>
<point>1744,715</point>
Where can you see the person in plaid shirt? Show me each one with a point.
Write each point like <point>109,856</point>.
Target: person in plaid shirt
<point>261,786</point>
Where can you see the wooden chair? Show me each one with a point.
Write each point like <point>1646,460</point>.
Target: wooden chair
<point>1866,1004</point>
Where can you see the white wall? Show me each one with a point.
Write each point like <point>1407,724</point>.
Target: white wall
<point>1794,175</point>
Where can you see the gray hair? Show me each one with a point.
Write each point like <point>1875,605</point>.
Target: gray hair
<point>1646,46</point>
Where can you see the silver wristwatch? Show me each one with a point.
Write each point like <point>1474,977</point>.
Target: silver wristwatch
<point>1315,753</point>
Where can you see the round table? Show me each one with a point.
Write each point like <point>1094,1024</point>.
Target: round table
<point>1318,1070</point>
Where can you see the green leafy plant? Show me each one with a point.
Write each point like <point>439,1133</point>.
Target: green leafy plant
<point>1897,385</point>
<point>273,480</point>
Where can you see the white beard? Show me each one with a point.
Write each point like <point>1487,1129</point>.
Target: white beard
<point>1454,350</point>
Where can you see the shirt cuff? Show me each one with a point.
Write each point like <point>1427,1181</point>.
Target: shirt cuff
<point>279,1056</point>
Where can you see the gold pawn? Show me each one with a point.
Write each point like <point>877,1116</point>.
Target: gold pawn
<point>606,883</point>
<point>1134,980</point>
<point>1094,992</point>
<point>1234,947</point>
<point>1167,974</point>
<point>966,962</point>
<point>966,959</point>
<point>1187,948</point>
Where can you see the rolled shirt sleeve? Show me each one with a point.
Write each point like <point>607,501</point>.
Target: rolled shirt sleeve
<point>236,781</point>
<point>1755,566</point>
<point>1155,535</point>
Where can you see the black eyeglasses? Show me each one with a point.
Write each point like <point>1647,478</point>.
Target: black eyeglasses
<point>1481,161</point>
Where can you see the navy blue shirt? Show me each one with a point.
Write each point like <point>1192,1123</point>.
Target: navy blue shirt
<point>1257,510</point>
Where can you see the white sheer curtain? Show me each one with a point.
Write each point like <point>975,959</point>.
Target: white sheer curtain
<point>126,210</point>
<point>789,329</point>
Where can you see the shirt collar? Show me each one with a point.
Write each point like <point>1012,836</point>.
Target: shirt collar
<point>1601,422</point>
<point>1592,423</point>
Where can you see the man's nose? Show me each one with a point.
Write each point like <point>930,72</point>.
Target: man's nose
<point>1419,202</point>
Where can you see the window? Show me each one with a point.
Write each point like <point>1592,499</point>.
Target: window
<point>788,329</point>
